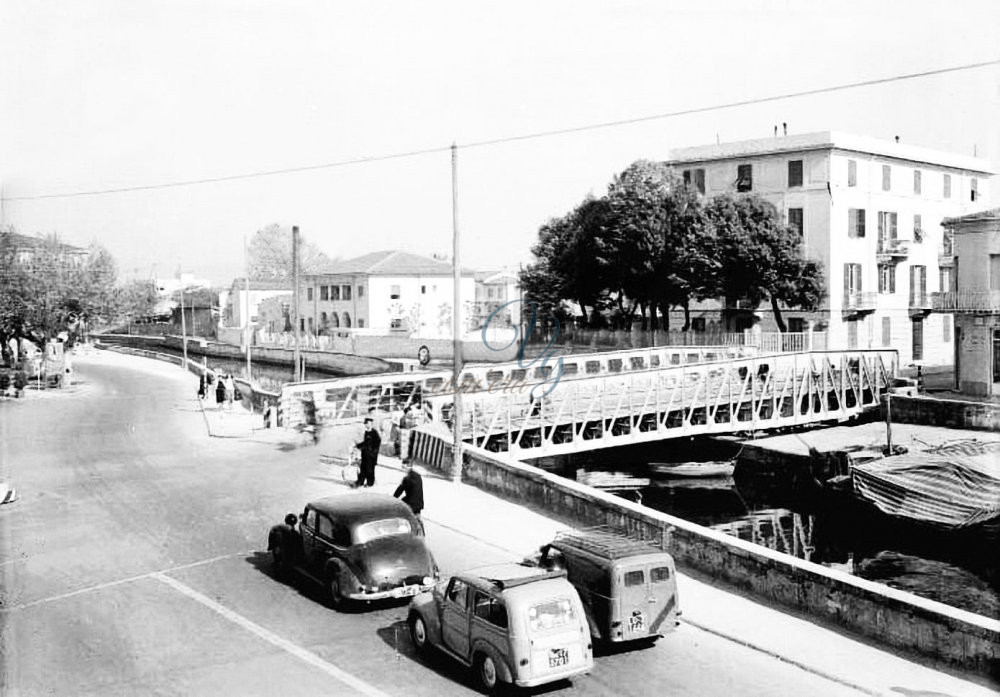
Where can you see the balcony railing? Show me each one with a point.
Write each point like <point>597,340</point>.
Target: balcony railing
<point>977,301</point>
<point>858,303</point>
<point>892,251</point>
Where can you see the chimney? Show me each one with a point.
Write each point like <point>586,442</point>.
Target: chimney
<point>784,126</point>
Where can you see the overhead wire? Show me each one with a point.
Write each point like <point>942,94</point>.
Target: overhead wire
<point>509,139</point>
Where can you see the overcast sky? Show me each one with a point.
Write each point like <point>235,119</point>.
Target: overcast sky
<point>105,94</point>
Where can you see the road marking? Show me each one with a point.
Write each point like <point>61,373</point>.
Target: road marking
<point>112,584</point>
<point>272,638</point>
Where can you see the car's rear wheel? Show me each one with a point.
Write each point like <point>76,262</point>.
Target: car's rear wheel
<point>486,673</point>
<point>418,633</point>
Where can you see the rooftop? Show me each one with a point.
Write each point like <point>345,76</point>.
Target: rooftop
<point>978,216</point>
<point>19,241</point>
<point>829,140</point>
<point>262,284</point>
<point>391,263</point>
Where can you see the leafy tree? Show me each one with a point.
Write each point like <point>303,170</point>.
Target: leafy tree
<point>761,258</point>
<point>136,298</point>
<point>270,255</point>
<point>46,289</point>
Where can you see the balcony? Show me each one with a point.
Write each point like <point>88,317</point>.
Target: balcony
<point>980,302</point>
<point>856,304</point>
<point>921,304</point>
<point>892,251</point>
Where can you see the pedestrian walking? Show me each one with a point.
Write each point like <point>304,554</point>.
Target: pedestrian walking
<point>230,390</point>
<point>220,392</point>
<point>406,425</point>
<point>369,447</point>
<point>201,386</point>
<point>411,488</point>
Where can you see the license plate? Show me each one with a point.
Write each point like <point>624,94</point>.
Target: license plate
<point>636,623</point>
<point>558,657</point>
<point>405,591</point>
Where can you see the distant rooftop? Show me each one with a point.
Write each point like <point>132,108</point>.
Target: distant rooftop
<point>391,263</point>
<point>262,284</point>
<point>19,241</point>
<point>828,140</point>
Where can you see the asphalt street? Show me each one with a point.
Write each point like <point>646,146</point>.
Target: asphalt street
<point>134,564</point>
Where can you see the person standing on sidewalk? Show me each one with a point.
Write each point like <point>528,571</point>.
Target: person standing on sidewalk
<point>369,448</point>
<point>406,424</point>
<point>201,386</point>
<point>230,391</point>
<point>220,393</point>
<point>412,490</point>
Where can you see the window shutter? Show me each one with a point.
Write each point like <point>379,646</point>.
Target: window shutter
<point>858,274</point>
<point>847,283</point>
<point>892,226</point>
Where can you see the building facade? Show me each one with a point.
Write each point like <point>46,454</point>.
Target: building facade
<point>974,299</point>
<point>242,305</point>
<point>384,292</point>
<point>495,289</point>
<point>870,211</point>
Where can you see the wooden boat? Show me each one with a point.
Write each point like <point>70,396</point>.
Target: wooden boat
<point>612,481</point>
<point>717,468</point>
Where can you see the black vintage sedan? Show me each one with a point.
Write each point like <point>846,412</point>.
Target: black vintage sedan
<point>359,546</point>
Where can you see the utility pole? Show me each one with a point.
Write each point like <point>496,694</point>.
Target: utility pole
<point>246,316</point>
<point>888,423</point>
<point>184,338</point>
<point>295,301</point>
<point>456,371</point>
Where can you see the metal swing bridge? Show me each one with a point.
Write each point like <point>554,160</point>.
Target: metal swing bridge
<point>615,398</point>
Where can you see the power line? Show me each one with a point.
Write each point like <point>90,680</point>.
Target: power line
<point>511,139</point>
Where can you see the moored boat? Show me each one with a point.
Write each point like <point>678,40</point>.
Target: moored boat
<point>717,468</point>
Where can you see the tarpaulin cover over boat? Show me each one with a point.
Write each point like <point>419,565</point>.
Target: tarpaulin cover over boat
<point>952,486</point>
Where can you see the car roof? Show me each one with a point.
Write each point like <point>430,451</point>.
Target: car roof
<point>361,507</point>
<point>606,545</point>
<point>499,577</point>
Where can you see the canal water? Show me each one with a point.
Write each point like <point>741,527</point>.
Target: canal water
<point>958,569</point>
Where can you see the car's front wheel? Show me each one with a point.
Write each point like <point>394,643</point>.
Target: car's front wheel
<point>418,633</point>
<point>334,597</point>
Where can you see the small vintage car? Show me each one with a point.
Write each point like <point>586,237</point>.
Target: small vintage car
<point>513,624</point>
<point>359,546</point>
<point>628,587</point>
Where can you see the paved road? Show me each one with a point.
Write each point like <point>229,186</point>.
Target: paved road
<point>132,565</point>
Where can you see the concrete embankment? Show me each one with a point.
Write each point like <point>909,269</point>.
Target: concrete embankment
<point>341,363</point>
<point>890,617</point>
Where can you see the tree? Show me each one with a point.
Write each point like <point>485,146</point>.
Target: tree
<point>761,257</point>
<point>136,298</point>
<point>270,255</point>
<point>47,288</point>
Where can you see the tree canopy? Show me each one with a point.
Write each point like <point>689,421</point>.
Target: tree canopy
<point>652,243</point>
<point>47,288</point>
<point>270,255</point>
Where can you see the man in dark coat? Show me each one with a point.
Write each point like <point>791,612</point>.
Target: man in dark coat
<point>412,490</point>
<point>369,454</point>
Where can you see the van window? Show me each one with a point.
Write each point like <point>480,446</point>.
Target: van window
<point>457,592</point>
<point>557,612</point>
<point>491,610</point>
<point>659,574</point>
<point>635,578</point>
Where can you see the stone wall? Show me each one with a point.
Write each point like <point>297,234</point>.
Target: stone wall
<point>898,619</point>
<point>949,413</point>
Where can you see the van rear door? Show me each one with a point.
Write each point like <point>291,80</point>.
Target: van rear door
<point>634,602</point>
<point>556,634</point>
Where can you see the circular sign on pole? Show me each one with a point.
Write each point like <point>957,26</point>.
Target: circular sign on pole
<point>424,355</point>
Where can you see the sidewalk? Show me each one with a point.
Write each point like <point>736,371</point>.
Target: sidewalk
<point>519,532</point>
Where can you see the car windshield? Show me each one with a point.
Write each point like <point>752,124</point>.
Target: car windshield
<point>551,614</point>
<point>381,528</point>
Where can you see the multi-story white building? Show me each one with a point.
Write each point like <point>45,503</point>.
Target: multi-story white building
<point>242,301</point>
<point>495,289</point>
<point>975,301</point>
<point>870,211</point>
<point>383,292</point>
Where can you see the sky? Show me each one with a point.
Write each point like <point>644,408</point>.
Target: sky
<point>109,94</point>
